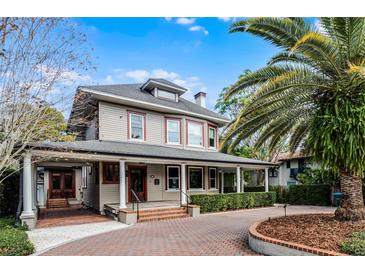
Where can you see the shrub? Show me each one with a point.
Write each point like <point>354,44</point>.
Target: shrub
<point>221,202</point>
<point>254,188</point>
<point>9,193</point>
<point>355,245</point>
<point>281,193</point>
<point>309,195</point>
<point>13,240</point>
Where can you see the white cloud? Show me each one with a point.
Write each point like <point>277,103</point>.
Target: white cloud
<point>225,19</point>
<point>199,28</point>
<point>319,27</point>
<point>185,21</point>
<point>138,75</point>
<point>168,19</point>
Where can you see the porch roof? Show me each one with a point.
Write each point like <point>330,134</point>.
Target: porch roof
<point>125,149</point>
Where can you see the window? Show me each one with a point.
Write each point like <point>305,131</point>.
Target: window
<point>111,173</point>
<point>173,133</point>
<point>166,95</point>
<point>195,134</point>
<point>273,172</point>
<point>173,177</point>
<point>212,137</point>
<point>288,164</point>
<point>195,177</point>
<point>137,126</point>
<point>213,178</point>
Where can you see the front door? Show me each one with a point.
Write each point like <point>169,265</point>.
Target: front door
<point>137,182</point>
<point>61,184</point>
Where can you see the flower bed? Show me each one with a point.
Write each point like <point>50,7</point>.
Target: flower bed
<point>320,231</point>
<point>13,240</point>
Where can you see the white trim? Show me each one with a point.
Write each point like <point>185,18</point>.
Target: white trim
<point>167,179</point>
<point>215,137</point>
<point>216,178</point>
<point>196,189</point>
<point>167,131</point>
<point>162,84</point>
<point>161,107</point>
<point>130,127</point>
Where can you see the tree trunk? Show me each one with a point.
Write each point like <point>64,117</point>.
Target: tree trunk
<point>352,204</point>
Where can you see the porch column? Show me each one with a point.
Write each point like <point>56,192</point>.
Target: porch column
<point>238,178</point>
<point>243,181</point>
<point>122,185</point>
<point>183,184</point>
<point>267,179</point>
<point>27,216</point>
<point>222,190</point>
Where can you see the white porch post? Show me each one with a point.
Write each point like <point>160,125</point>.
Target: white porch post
<point>122,185</point>
<point>222,179</point>
<point>243,181</point>
<point>27,216</point>
<point>183,184</point>
<point>238,178</point>
<point>266,179</point>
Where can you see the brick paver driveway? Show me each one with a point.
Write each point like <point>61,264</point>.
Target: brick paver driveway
<point>210,234</point>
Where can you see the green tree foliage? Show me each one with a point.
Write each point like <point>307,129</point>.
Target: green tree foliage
<point>313,93</point>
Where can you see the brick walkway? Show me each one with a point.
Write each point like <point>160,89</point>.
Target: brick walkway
<point>76,215</point>
<point>210,234</point>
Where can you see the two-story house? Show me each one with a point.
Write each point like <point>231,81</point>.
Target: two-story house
<point>140,142</point>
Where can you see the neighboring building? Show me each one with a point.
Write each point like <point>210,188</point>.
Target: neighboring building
<point>290,165</point>
<point>140,140</point>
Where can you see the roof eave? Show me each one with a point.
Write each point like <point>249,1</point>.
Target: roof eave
<point>148,105</point>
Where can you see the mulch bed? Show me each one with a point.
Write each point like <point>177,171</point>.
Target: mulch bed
<point>315,230</point>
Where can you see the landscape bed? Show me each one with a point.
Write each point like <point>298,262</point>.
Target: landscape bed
<point>14,239</point>
<point>316,230</point>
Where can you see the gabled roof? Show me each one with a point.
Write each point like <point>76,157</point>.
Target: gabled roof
<point>125,149</point>
<point>163,84</point>
<point>134,95</point>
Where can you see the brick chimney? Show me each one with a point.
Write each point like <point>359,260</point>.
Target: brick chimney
<point>200,99</point>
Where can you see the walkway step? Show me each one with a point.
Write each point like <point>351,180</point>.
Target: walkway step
<point>148,215</point>
<point>57,203</point>
<point>162,217</point>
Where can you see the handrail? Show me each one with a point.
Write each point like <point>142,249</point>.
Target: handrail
<point>135,200</point>
<point>188,199</point>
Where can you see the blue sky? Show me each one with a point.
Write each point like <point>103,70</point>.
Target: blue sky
<point>197,53</point>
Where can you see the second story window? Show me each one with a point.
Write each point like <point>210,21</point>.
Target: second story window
<point>195,134</point>
<point>173,131</point>
<point>137,126</point>
<point>212,137</point>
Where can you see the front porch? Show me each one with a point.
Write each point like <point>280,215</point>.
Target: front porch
<point>110,183</point>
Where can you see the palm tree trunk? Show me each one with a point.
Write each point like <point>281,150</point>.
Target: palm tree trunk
<point>352,204</point>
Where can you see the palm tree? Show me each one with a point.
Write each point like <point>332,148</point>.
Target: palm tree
<point>312,93</point>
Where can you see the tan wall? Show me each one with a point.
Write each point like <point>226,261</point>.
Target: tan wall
<point>109,193</point>
<point>113,125</point>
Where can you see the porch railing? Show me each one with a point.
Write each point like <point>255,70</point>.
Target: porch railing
<point>135,202</point>
<point>188,200</point>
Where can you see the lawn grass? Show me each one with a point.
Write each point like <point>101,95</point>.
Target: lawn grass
<point>14,239</point>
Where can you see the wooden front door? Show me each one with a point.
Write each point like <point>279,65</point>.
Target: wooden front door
<point>61,184</point>
<point>137,180</point>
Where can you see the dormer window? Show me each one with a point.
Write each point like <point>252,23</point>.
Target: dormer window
<point>166,95</point>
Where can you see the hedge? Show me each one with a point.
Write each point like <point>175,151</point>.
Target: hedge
<point>226,201</point>
<point>309,195</point>
<point>254,188</point>
<point>14,240</point>
<point>9,193</point>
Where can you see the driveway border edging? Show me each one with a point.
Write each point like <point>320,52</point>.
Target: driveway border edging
<point>271,246</point>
